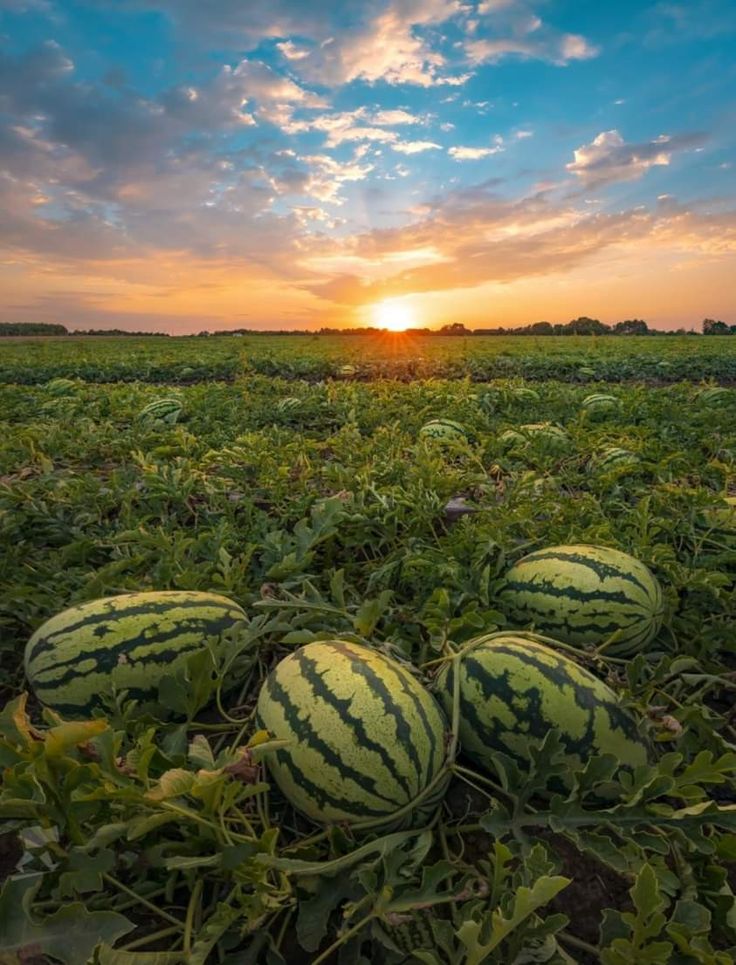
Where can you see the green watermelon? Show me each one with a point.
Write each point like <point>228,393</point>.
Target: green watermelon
<point>582,595</point>
<point>443,430</point>
<point>61,387</point>
<point>289,404</point>
<point>541,435</point>
<point>616,459</point>
<point>162,410</point>
<point>714,397</point>
<point>514,690</point>
<point>365,737</point>
<point>126,642</point>
<point>600,406</point>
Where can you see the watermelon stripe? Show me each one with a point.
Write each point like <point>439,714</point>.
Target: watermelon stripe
<point>319,794</point>
<point>380,690</point>
<point>429,731</point>
<point>303,729</point>
<point>115,609</point>
<point>41,681</point>
<point>542,588</point>
<point>601,569</point>
<point>107,656</point>
<point>342,706</point>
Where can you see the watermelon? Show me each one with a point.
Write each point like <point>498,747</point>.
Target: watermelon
<point>514,690</point>
<point>524,394</point>
<point>162,410</point>
<point>543,435</point>
<point>443,430</point>
<point>616,459</point>
<point>126,642</point>
<point>347,371</point>
<point>600,406</point>
<point>365,737</point>
<point>60,387</point>
<point>714,397</point>
<point>288,404</point>
<point>582,595</point>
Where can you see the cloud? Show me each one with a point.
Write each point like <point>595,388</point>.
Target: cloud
<point>460,153</point>
<point>513,29</point>
<point>388,46</point>
<point>392,118</point>
<point>575,47</point>
<point>608,158</point>
<point>414,147</point>
<point>478,238</point>
<point>328,175</point>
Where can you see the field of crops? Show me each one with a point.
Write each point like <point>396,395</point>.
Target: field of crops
<point>397,356</point>
<point>292,477</point>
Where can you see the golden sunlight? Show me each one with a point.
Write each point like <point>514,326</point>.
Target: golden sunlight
<point>394,315</point>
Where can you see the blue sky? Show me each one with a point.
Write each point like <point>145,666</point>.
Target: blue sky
<point>177,164</point>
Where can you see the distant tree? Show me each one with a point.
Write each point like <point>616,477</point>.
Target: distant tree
<point>632,326</point>
<point>540,328</point>
<point>713,327</point>
<point>32,328</point>
<point>585,326</point>
<point>456,328</point>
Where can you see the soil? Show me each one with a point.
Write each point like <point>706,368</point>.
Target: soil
<point>10,853</point>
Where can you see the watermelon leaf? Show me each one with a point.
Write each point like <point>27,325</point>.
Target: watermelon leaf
<point>70,935</point>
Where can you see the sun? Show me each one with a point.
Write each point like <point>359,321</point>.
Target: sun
<point>393,314</point>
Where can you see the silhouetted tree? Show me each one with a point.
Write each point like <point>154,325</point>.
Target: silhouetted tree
<point>456,328</point>
<point>586,326</point>
<point>713,327</point>
<point>632,326</point>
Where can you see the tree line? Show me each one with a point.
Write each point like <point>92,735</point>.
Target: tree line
<point>578,326</point>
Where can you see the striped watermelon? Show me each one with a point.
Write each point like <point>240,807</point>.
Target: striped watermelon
<point>615,459</point>
<point>600,406</point>
<point>60,387</point>
<point>126,642</point>
<point>347,371</point>
<point>542,435</point>
<point>288,404</point>
<point>525,394</point>
<point>714,397</point>
<point>365,737</point>
<point>162,410</point>
<point>582,595</point>
<point>514,690</point>
<point>443,430</point>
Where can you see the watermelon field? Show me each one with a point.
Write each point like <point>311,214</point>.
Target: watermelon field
<point>423,651</point>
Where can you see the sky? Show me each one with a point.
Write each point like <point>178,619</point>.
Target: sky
<point>180,165</point>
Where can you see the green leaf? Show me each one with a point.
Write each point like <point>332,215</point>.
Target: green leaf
<point>525,902</point>
<point>70,935</point>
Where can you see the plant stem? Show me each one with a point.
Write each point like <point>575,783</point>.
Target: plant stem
<point>193,901</point>
<point>147,939</point>
<point>143,901</point>
<point>579,943</point>
<point>343,938</point>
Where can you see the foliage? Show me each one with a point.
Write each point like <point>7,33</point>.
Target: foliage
<point>158,843</point>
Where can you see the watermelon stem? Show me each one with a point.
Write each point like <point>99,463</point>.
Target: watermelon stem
<point>189,921</point>
<point>345,937</point>
<point>141,900</point>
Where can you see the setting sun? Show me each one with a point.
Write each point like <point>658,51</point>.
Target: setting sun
<point>394,315</point>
